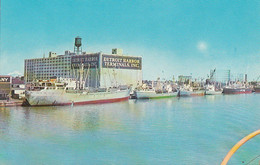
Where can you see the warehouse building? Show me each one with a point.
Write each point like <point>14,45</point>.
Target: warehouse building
<point>99,70</point>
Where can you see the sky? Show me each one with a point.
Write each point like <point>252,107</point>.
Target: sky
<point>174,37</point>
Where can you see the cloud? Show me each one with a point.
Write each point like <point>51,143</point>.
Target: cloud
<point>15,73</point>
<point>202,46</point>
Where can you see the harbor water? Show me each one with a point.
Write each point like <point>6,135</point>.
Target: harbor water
<point>190,130</point>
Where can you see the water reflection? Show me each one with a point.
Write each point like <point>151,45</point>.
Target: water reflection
<point>174,128</point>
<point>90,117</point>
<point>103,116</point>
<point>213,98</point>
<point>5,118</point>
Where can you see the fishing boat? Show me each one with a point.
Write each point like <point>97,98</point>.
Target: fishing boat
<point>211,90</point>
<point>187,90</point>
<point>152,94</point>
<point>73,92</point>
<point>160,91</point>
<point>191,93</point>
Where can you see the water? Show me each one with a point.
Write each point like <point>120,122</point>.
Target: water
<point>198,130</point>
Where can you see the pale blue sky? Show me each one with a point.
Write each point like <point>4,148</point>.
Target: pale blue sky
<point>177,37</point>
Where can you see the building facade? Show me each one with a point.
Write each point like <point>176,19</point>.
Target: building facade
<point>45,68</point>
<point>99,69</point>
<point>18,87</point>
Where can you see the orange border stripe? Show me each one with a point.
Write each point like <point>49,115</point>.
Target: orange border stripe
<point>238,145</point>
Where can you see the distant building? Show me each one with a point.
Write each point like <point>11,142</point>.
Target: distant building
<point>100,70</point>
<point>18,87</point>
<point>5,87</point>
<point>218,75</point>
<point>184,79</point>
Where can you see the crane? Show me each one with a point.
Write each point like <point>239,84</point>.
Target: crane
<point>257,78</point>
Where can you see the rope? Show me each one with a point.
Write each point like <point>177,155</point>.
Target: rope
<point>253,159</point>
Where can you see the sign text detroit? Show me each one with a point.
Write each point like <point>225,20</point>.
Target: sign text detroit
<point>121,62</point>
<point>89,61</point>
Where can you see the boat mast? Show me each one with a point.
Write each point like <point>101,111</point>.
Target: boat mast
<point>81,71</point>
<point>88,75</point>
<point>104,79</point>
<point>114,74</point>
<point>96,76</point>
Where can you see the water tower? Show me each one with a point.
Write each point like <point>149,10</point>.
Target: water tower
<point>77,46</point>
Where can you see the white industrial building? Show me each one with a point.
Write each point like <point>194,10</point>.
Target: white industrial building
<point>100,70</point>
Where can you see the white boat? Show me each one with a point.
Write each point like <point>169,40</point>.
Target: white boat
<point>192,93</point>
<point>73,92</point>
<point>152,94</point>
<point>187,90</point>
<point>160,91</point>
<point>211,90</point>
<point>57,97</point>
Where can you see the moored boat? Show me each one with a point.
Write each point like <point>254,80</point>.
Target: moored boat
<point>152,94</point>
<point>73,92</point>
<point>192,93</point>
<point>161,90</point>
<point>211,90</point>
<point>257,89</point>
<point>237,90</point>
<point>189,91</point>
<point>58,97</point>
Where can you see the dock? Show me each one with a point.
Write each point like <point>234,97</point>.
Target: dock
<point>11,103</point>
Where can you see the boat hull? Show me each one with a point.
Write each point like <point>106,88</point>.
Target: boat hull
<point>192,93</point>
<point>213,92</point>
<point>62,98</point>
<point>257,89</point>
<point>154,95</point>
<point>237,90</point>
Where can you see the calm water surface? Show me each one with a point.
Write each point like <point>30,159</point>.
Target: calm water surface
<point>198,130</point>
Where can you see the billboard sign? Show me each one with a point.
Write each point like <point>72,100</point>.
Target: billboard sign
<point>121,62</point>
<point>5,79</point>
<point>89,61</point>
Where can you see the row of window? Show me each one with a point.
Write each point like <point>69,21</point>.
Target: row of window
<point>52,71</point>
<point>52,67</point>
<point>52,74</point>
<point>44,64</point>
<point>46,75</point>
<point>48,67</point>
<point>48,59</point>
